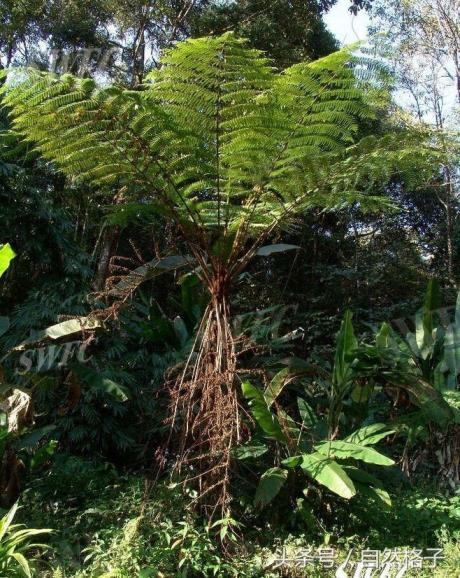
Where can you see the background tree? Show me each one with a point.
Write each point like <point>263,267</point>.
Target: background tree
<point>287,31</point>
<point>422,41</point>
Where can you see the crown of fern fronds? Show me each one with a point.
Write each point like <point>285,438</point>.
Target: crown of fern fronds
<point>216,135</point>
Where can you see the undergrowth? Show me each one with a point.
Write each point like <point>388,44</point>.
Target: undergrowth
<point>99,532</point>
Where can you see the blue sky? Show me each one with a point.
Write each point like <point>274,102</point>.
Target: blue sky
<point>346,27</point>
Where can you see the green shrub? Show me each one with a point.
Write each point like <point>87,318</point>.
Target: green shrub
<point>15,545</point>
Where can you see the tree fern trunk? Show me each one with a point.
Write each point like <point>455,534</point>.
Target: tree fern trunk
<point>205,403</point>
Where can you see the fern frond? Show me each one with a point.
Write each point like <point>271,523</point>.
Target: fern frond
<point>216,137</point>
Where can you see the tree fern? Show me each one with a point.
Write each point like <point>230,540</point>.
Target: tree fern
<point>229,150</point>
<point>216,134</point>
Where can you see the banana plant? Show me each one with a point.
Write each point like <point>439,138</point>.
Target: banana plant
<point>394,363</point>
<point>343,371</point>
<point>346,382</point>
<point>448,369</point>
<point>153,324</point>
<point>426,343</point>
<point>432,350</point>
<point>330,463</point>
<point>425,362</point>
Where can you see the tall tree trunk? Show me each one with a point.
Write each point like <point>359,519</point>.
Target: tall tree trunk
<point>109,246</point>
<point>139,55</point>
<point>450,225</point>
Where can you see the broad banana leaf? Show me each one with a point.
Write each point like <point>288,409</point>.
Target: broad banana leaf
<point>344,450</point>
<point>296,368</point>
<point>428,399</point>
<point>449,367</point>
<point>148,271</point>
<point>329,473</point>
<point>370,434</point>
<point>374,493</point>
<point>64,329</point>
<point>268,250</point>
<point>427,344</point>
<point>269,486</point>
<point>344,354</point>
<point>261,413</point>
<point>307,414</point>
<point>368,484</point>
<point>426,322</point>
<point>250,450</point>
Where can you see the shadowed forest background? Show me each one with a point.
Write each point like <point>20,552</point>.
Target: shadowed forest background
<point>229,275</point>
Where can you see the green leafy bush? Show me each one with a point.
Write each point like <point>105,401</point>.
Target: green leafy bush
<point>327,462</point>
<point>15,545</point>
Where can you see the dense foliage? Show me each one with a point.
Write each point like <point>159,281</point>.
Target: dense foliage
<point>229,300</point>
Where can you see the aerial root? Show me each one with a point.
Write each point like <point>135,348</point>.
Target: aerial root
<point>204,404</point>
